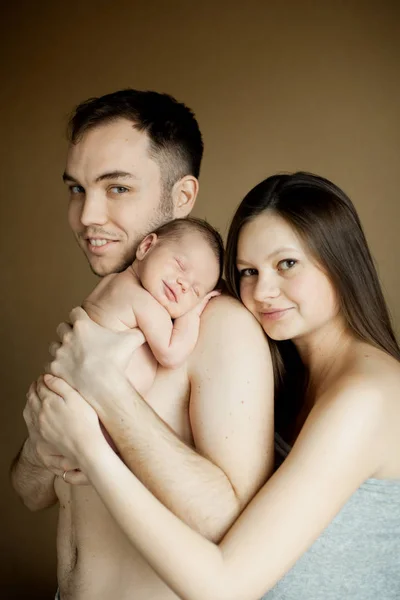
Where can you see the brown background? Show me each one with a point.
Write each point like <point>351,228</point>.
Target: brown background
<point>275,86</point>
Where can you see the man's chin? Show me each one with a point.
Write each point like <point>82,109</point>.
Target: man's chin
<point>102,269</point>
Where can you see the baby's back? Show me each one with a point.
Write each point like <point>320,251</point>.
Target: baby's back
<point>110,303</point>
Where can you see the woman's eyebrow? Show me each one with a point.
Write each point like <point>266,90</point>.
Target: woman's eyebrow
<point>272,254</point>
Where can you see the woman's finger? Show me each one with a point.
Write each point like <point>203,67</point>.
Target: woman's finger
<point>54,346</point>
<point>78,313</point>
<point>76,477</point>
<point>62,330</point>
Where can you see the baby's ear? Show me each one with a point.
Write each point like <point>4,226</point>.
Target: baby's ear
<point>145,245</point>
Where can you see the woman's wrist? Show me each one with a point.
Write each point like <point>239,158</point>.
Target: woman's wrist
<point>97,459</point>
<point>93,453</point>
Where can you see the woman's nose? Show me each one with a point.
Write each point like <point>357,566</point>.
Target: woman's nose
<point>266,289</point>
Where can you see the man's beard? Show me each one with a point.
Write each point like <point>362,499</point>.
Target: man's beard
<point>164,214</point>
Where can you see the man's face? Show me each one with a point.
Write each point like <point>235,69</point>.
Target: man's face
<point>115,192</point>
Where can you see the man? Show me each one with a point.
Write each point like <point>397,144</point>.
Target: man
<point>201,440</point>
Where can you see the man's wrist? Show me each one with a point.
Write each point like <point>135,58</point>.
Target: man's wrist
<point>30,456</point>
<point>115,397</point>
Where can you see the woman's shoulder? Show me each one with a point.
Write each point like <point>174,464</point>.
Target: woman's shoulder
<point>368,371</point>
<point>366,397</point>
<point>372,367</point>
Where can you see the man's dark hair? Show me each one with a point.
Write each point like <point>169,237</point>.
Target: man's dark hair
<point>178,227</point>
<point>173,132</point>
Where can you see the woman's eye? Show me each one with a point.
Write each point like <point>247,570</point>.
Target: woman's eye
<point>247,272</point>
<point>118,189</point>
<point>76,189</point>
<point>287,264</point>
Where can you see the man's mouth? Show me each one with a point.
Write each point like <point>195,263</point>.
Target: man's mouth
<point>98,245</point>
<point>97,242</point>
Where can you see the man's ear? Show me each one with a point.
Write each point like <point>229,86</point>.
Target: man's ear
<point>145,245</point>
<point>184,195</point>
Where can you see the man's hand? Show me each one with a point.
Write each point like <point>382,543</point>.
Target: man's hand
<point>87,348</point>
<point>37,450</point>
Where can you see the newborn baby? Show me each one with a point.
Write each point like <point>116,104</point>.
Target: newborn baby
<point>163,293</point>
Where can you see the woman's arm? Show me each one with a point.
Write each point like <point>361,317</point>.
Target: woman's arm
<point>341,445</point>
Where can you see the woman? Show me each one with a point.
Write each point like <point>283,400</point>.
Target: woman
<point>327,523</point>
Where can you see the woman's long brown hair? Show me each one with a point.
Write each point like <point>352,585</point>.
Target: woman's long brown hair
<point>327,221</point>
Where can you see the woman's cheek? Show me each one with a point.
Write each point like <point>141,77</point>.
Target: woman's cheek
<point>246,294</point>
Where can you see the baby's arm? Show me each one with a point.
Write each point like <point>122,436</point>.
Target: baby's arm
<point>171,343</point>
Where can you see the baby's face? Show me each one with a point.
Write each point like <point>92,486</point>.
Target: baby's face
<point>179,273</point>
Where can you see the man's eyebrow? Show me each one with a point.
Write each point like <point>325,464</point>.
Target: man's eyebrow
<point>115,175</point>
<point>67,177</point>
<point>109,175</point>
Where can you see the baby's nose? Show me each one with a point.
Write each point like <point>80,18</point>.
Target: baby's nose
<point>184,283</point>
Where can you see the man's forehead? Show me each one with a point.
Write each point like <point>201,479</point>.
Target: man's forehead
<point>107,148</point>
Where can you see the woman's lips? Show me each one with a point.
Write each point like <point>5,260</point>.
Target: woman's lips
<point>275,315</point>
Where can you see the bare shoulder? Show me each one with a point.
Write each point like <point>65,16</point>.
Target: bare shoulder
<point>226,315</point>
<point>371,374</point>
<point>229,335</point>
<point>363,403</point>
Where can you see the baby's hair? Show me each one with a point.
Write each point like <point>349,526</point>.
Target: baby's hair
<point>174,230</point>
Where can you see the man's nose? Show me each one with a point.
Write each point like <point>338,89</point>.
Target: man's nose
<point>94,210</point>
<point>266,288</point>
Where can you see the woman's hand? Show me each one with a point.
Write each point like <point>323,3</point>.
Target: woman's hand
<point>87,350</point>
<point>66,420</point>
<point>39,452</point>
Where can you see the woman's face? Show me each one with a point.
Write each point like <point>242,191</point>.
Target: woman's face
<point>280,282</point>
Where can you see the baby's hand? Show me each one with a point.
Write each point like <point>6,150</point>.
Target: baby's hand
<point>201,306</point>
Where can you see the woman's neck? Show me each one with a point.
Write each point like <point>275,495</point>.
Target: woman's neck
<point>324,351</point>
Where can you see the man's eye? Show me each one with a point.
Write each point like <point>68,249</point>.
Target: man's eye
<point>118,189</point>
<point>247,272</point>
<point>76,189</point>
<point>287,264</point>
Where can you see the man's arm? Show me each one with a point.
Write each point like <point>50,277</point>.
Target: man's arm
<point>231,409</point>
<point>32,481</point>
